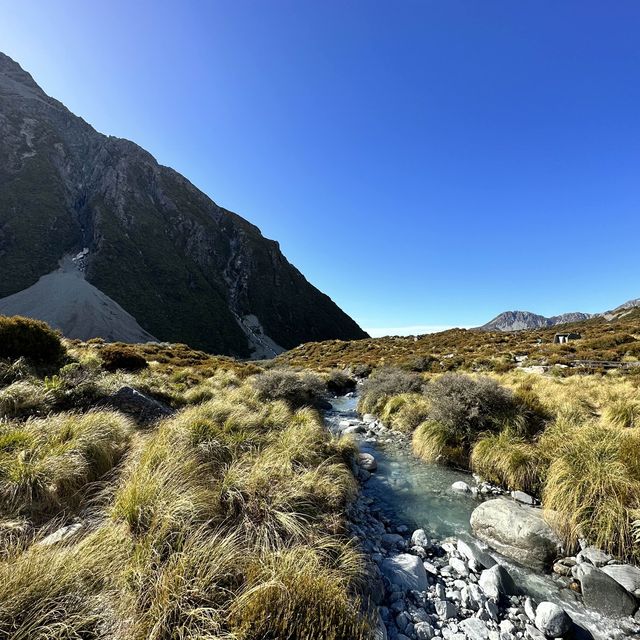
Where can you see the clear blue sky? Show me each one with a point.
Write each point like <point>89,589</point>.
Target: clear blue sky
<point>424,163</point>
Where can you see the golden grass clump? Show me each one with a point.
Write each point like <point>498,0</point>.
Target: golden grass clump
<point>61,592</point>
<point>405,412</point>
<point>593,484</point>
<point>508,460</point>
<point>46,463</point>
<point>302,593</point>
<point>25,398</point>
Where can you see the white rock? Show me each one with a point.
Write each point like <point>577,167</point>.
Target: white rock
<point>497,582</point>
<point>406,571</point>
<point>368,418</point>
<point>420,538</point>
<point>424,631</point>
<point>625,575</point>
<point>461,487</point>
<point>63,533</point>
<point>459,566</point>
<point>477,558</point>
<point>552,620</point>
<point>523,497</point>
<point>367,462</point>
<point>595,556</point>
<point>474,629</point>
<point>445,609</point>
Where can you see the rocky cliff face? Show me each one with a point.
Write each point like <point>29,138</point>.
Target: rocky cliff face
<point>186,269</point>
<point>520,320</point>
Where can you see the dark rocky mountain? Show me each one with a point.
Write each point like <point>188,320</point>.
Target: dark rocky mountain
<point>141,237</point>
<point>520,320</point>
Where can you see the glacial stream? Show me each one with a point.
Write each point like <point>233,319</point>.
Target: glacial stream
<point>418,494</point>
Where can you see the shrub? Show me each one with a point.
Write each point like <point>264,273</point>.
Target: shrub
<point>461,408</point>
<point>383,384</point>
<point>117,356</point>
<point>339,382</point>
<point>28,338</point>
<point>593,484</point>
<point>297,389</point>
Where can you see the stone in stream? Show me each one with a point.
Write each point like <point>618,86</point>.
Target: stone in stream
<point>419,538</point>
<point>516,531</point>
<point>595,556</point>
<point>602,593</point>
<point>445,609</point>
<point>477,558</point>
<point>461,487</point>
<point>424,631</point>
<point>368,418</point>
<point>406,571</point>
<point>367,462</point>
<point>354,428</point>
<point>497,583</point>
<point>625,575</point>
<point>475,629</point>
<point>552,620</point>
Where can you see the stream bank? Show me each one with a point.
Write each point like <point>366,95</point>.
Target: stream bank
<point>431,578</point>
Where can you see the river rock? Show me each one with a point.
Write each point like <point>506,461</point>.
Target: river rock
<point>424,631</point>
<point>552,620</point>
<point>625,575</point>
<point>497,583</point>
<point>477,558</point>
<point>354,428</point>
<point>595,556</point>
<point>521,496</point>
<point>368,418</point>
<point>475,629</point>
<point>419,538</point>
<point>461,487</point>
<point>602,593</point>
<point>367,462</point>
<point>533,633</point>
<point>516,531</point>
<point>406,571</point>
<point>459,566</point>
<point>445,609</point>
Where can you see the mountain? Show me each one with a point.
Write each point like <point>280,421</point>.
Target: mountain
<point>520,320</point>
<point>158,257</point>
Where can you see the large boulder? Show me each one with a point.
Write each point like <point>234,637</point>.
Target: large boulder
<point>602,593</point>
<point>139,406</point>
<point>516,531</point>
<point>406,571</point>
<point>552,620</point>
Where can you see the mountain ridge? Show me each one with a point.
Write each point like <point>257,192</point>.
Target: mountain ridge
<point>185,268</point>
<point>524,320</point>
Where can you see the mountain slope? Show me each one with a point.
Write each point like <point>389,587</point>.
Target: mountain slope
<point>520,320</point>
<point>186,269</point>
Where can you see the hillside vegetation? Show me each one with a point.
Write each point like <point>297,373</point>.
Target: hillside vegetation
<point>224,519</point>
<point>617,340</point>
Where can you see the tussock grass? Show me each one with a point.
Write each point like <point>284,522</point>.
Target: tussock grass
<point>593,484</point>
<point>25,398</point>
<point>45,463</point>
<point>623,412</point>
<point>405,412</point>
<point>508,460</point>
<point>62,592</point>
<point>302,593</point>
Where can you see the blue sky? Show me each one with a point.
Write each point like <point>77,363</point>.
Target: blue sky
<point>426,164</point>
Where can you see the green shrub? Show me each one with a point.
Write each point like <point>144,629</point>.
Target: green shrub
<point>125,358</point>
<point>383,384</point>
<point>339,382</point>
<point>28,338</point>
<point>297,389</point>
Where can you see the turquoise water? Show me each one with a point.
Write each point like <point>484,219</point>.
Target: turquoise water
<point>418,494</point>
